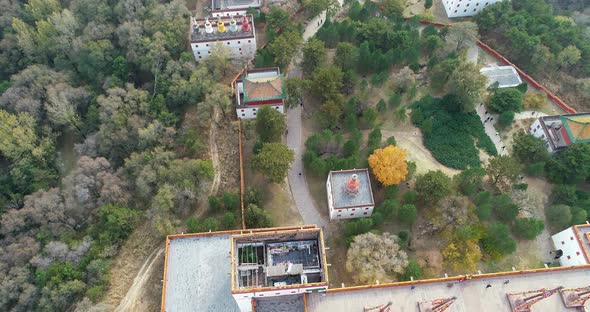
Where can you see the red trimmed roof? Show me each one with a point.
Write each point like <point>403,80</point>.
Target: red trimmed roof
<point>565,136</point>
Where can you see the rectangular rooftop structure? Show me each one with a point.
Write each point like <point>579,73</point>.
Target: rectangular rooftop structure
<point>257,88</point>
<point>349,194</point>
<point>235,33</point>
<point>198,269</point>
<point>505,76</point>
<point>561,131</point>
<point>574,243</point>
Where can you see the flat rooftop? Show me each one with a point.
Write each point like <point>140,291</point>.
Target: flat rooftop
<point>506,76</point>
<point>472,295</point>
<point>343,199</point>
<point>197,271</point>
<point>199,34</point>
<point>278,259</point>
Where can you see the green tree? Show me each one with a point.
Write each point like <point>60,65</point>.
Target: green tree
<point>229,220</point>
<point>255,217</point>
<point>326,84</point>
<point>505,119</point>
<point>506,99</point>
<point>407,214</point>
<point>559,216</point>
<point>413,270</point>
<point>433,186</point>
<point>115,223</point>
<point>469,180</point>
<point>270,124</point>
<point>427,4</point>
<point>461,35</point>
<point>502,171</point>
<point>284,47</point>
<point>231,201</point>
<point>529,149</point>
<point>346,56</point>
<point>468,84</point>
<point>571,165</point>
<point>568,57</point>
<point>364,59</point>
<point>274,161</point>
<point>528,228</point>
<point>497,241</point>
<point>314,55</point>
<point>393,8</point>
<point>504,208</point>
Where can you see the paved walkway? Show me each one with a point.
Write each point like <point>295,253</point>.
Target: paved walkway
<point>491,129</point>
<point>295,140</point>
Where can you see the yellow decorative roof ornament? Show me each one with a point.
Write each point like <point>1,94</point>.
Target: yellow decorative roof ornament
<point>220,25</point>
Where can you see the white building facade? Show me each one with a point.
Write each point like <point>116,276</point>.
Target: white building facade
<point>235,33</point>
<point>349,194</point>
<point>463,8</point>
<point>573,245</point>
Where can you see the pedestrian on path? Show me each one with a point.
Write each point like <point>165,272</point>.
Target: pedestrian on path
<point>491,118</point>
<point>497,133</point>
<point>486,112</point>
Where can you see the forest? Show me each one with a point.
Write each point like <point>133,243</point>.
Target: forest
<point>552,48</point>
<point>110,82</point>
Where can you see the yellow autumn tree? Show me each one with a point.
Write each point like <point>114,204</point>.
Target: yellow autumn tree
<point>462,257</point>
<point>389,165</point>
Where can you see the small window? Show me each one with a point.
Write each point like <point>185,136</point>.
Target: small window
<point>254,109</point>
<point>254,114</point>
<point>243,115</point>
<point>457,5</point>
<point>365,213</point>
<point>455,11</point>
<point>477,4</point>
<point>367,208</point>
<point>200,57</point>
<point>353,209</point>
<point>487,3</point>
<point>571,238</point>
<point>198,52</point>
<point>538,126</point>
<point>339,216</point>
<point>196,45</point>
<point>240,48</point>
<point>209,52</point>
<point>228,43</point>
<point>562,242</point>
<point>239,42</point>
<point>569,257</point>
<point>464,10</point>
<point>467,5</point>
<point>577,253</point>
<point>276,107</point>
<point>473,10</point>
<point>249,41</point>
<point>207,45</point>
<point>352,214</point>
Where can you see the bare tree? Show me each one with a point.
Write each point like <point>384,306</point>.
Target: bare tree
<point>375,257</point>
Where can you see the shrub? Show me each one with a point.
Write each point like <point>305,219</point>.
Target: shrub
<point>536,169</point>
<point>559,216</point>
<point>394,100</point>
<point>231,201</point>
<point>391,192</point>
<point>253,196</point>
<point>505,119</point>
<point>407,214</point>
<point>520,186</point>
<point>535,100</point>
<point>564,194</point>
<point>381,106</point>
<point>579,216</point>
<point>483,198</point>
<point>409,197</point>
<point>368,118</point>
<point>229,220</point>
<point>413,270</point>
<point>506,100</point>
<point>374,140</point>
<point>428,4</point>
<point>523,87</point>
<point>193,225</point>
<point>453,138</point>
<point>484,211</point>
<point>528,228</point>
<point>497,241</point>
<point>504,209</point>
<point>210,224</point>
<point>377,218</point>
<point>404,237</point>
<point>389,208</point>
<point>214,203</point>
<point>257,147</point>
<point>390,141</point>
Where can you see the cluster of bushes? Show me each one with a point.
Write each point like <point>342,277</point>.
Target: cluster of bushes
<point>450,135</point>
<point>506,102</point>
<point>327,151</point>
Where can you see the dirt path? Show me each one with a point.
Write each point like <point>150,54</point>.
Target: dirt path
<point>213,153</point>
<point>131,300</point>
<point>411,141</point>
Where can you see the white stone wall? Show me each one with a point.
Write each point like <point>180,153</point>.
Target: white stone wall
<point>351,213</point>
<point>244,301</point>
<point>567,241</point>
<point>238,48</point>
<point>537,130</point>
<point>250,112</point>
<point>229,13</point>
<point>462,8</point>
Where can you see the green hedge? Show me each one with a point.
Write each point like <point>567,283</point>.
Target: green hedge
<point>454,136</point>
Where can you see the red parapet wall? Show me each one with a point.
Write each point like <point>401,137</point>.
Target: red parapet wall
<point>528,78</point>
